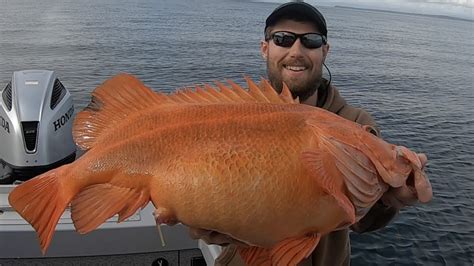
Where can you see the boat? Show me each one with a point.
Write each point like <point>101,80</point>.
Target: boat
<point>36,117</point>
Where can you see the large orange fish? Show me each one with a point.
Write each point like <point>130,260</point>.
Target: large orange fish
<point>251,164</point>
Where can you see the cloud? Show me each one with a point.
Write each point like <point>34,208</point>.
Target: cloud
<point>454,8</point>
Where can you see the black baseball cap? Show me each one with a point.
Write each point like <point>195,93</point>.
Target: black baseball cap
<point>300,11</point>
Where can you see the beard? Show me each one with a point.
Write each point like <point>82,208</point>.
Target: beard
<point>302,90</point>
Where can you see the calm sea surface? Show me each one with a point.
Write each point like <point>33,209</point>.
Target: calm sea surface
<point>413,73</point>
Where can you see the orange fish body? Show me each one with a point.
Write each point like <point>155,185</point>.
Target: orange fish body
<point>250,164</point>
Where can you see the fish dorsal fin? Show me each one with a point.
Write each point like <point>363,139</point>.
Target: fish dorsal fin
<point>111,102</point>
<point>269,92</point>
<point>197,96</point>
<point>241,92</point>
<point>123,95</point>
<point>234,94</point>
<point>286,95</point>
<point>220,96</point>
<point>229,93</point>
<point>206,95</point>
<point>185,96</point>
<point>256,92</point>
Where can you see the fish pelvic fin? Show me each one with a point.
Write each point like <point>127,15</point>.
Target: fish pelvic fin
<point>290,251</point>
<point>115,99</point>
<point>41,201</point>
<point>97,203</point>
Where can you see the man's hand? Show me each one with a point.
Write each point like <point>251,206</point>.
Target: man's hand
<point>213,237</point>
<point>408,194</point>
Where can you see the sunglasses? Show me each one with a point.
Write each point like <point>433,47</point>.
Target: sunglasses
<point>286,39</point>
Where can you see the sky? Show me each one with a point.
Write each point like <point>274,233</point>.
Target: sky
<point>453,8</point>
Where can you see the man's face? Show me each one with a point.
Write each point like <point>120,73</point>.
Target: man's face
<point>299,67</point>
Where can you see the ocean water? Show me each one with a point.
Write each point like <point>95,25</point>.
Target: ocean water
<point>413,73</point>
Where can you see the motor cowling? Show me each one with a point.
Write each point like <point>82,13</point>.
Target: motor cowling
<point>36,117</point>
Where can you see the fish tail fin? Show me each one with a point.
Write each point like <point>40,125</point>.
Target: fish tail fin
<point>288,252</point>
<point>41,202</point>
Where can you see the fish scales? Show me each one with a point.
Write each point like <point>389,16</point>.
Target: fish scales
<point>253,165</point>
<point>216,160</point>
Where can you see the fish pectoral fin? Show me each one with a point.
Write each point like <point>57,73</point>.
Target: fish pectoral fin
<point>322,166</point>
<point>97,203</point>
<point>288,252</point>
<point>361,177</point>
<point>362,180</point>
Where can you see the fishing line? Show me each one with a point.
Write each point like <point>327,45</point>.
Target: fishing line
<point>161,235</point>
<point>329,72</point>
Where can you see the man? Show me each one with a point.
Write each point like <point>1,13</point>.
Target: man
<point>295,48</point>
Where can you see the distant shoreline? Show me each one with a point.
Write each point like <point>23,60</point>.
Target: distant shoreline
<point>405,13</point>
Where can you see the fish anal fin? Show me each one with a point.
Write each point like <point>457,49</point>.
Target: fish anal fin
<point>97,203</point>
<point>137,203</point>
<point>290,251</point>
<point>255,255</point>
<point>322,166</point>
<point>293,250</point>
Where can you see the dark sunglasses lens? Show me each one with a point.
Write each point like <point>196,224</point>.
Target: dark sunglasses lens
<point>312,40</point>
<point>283,39</point>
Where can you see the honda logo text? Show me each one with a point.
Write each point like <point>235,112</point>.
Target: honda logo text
<point>63,119</point>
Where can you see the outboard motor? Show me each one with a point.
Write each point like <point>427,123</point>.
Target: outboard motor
<point>36,116</point>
